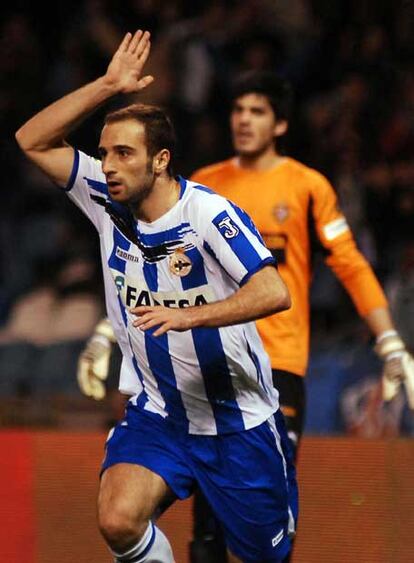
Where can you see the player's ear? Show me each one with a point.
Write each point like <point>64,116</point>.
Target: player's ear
<point>281,127</point>
<point>160,161</point>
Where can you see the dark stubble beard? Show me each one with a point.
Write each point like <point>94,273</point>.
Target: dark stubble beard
<point>147,185</point>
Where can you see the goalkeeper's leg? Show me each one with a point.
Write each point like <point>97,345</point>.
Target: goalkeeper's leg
<point>208,544</point>
<point>292,400</point>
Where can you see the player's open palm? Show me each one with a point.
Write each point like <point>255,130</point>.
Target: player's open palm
<point>126,65</point>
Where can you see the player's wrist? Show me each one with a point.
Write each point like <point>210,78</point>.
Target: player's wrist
<point>109,86</point>
<point>194,317</point>
<point>100,339</point>
<point>389,345</point>
<point>386,334</point>
<point>104,329</point>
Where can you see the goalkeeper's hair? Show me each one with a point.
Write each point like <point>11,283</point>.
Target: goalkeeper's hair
<point>277,90</point>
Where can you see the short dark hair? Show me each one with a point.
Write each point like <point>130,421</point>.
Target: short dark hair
<point>159,130</point>
<point>276,89</point>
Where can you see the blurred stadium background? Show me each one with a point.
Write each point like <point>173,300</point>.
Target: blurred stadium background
<point>351,64</point>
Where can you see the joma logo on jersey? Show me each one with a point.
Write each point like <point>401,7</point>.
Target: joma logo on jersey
<point>230,229</point>
<point>135,297</point>
<point>126,255</point>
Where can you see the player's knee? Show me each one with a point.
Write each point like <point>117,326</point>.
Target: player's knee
<point>120,527</point>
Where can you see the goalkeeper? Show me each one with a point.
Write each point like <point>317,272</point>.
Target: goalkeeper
<point>296,211</point>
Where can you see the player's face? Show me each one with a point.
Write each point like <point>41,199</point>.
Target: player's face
<point>125,161</point>
<point>253,125</point>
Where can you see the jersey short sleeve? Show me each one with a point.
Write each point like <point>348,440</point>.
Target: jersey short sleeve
<point>87,187</point>
<point>232,238</point>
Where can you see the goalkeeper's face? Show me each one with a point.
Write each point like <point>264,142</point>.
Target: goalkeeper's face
<point>254,126</point>
<point>125,161</point>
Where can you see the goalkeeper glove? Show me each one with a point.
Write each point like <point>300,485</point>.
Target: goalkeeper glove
<point>398,366</point>
<point>93,364</point>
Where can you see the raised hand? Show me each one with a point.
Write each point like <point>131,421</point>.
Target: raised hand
<point>126,65</point>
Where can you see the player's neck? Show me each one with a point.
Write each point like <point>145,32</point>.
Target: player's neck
<point>260,162</point>
<point>164,195</point>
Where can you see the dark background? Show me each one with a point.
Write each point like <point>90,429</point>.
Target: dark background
<point>351,66</point>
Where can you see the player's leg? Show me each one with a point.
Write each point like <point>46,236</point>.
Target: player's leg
<point>292,400</point>
<point>127,498</point>
<point>143,467</point>
<point>249,480</point>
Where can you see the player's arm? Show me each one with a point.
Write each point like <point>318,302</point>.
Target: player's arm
<point>263,294</point>
<point>42,138</point>
<point>358,278</point>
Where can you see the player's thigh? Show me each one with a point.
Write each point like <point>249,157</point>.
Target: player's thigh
<point>250,486</point>
<point>144,461</point>
<point>131,493</point>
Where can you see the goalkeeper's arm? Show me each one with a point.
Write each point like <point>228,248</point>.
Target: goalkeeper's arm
<point>93,364</point>
<point>398,362</point>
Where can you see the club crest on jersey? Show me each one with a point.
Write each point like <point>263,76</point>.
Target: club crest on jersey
<point>280,212</point>
<point>180,264</point>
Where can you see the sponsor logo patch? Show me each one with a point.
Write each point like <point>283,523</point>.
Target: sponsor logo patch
<point>126,255</point>
<point>134,294</point>
<point>230,230</point>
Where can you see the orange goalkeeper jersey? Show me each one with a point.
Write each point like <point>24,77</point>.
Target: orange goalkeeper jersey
<point>289,204</point>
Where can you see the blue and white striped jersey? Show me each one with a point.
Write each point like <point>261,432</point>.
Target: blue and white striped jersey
<point>205,380</point>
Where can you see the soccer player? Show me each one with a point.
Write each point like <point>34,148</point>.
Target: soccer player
<point>186,274</point>
<point>295,207</point>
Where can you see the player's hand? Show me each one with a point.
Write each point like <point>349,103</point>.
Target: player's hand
<point>398,367</point>
<point>165,318</point>
<point>126,65</point>
<point>93,364</point>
